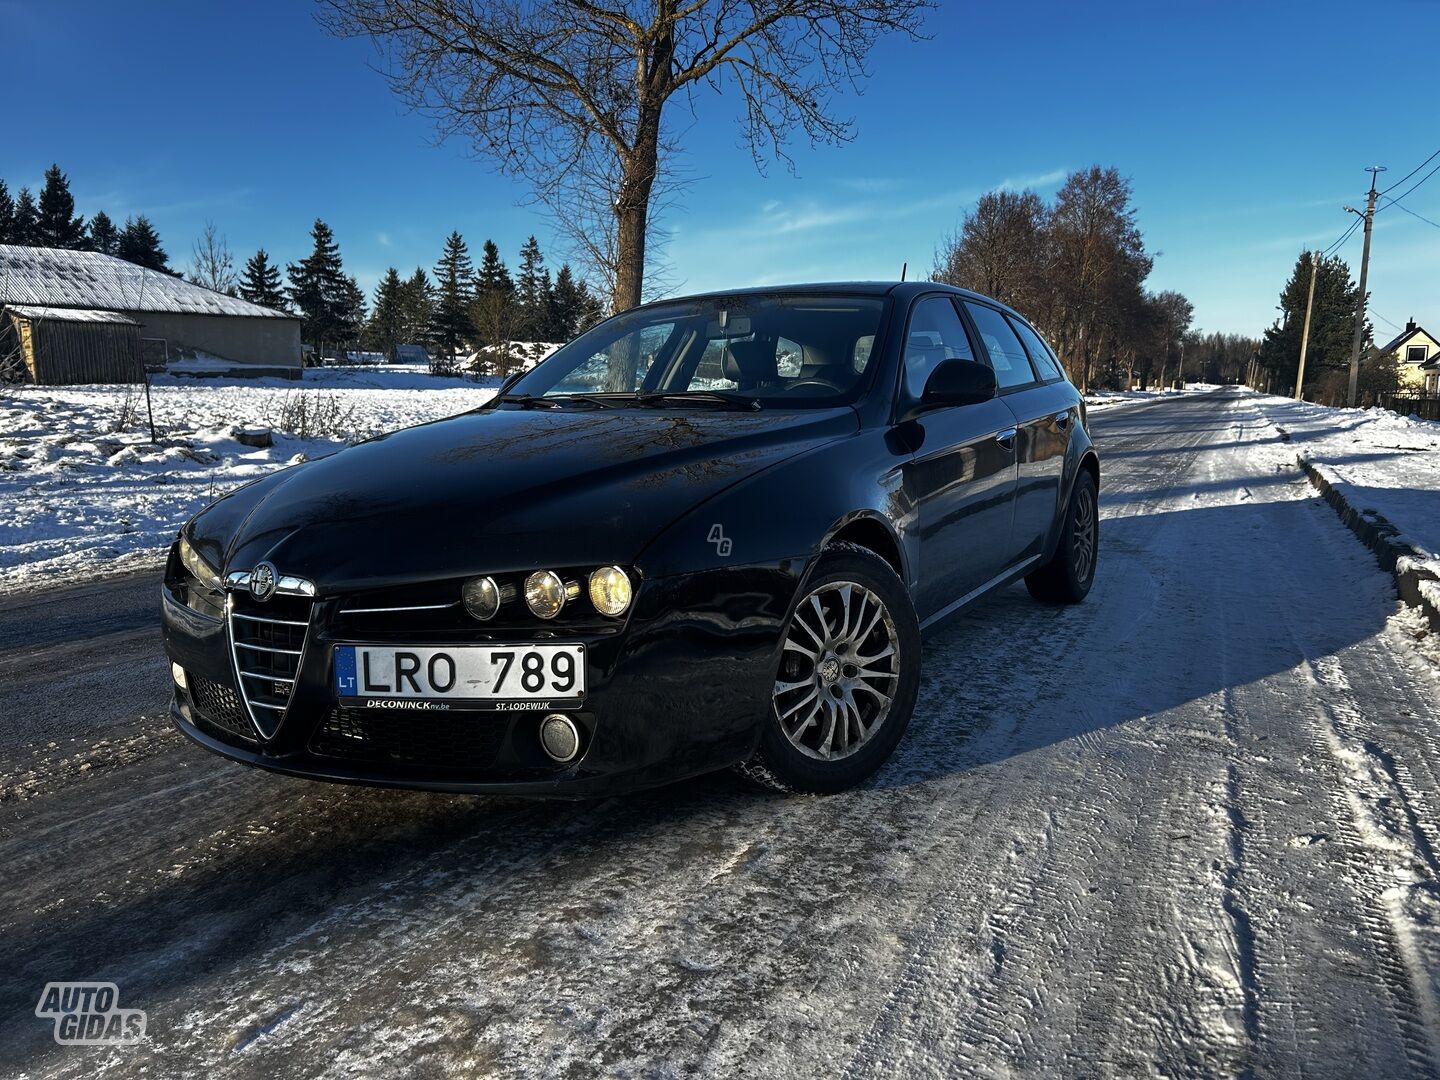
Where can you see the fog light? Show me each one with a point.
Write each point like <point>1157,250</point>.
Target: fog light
<point>560,738</point>
<point>610,590</point>
<point>482,597</point>
<point>545,593</point>
<point>178,674</point>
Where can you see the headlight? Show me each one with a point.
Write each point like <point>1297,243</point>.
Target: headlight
<point>482,597</point>
<point>199,569</point>
<point>610,590</point>
<point>545,593</point>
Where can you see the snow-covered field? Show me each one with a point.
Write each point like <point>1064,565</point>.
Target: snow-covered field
<point>1380,461</point>
<point>85,492</point>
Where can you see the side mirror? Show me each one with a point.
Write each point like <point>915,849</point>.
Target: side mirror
<point>958,382</point>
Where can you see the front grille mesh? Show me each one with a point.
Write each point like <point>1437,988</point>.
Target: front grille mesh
<point>268,643</point>
<point>218,705</point>
<point>461,741</point>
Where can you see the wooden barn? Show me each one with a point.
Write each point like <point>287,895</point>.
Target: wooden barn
<point>80,316</point>
<point>63,346</point>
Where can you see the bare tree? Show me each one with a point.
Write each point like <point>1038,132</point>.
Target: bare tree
<point>574,95</point>
<point>1001,249</point>
<point>211,264</point>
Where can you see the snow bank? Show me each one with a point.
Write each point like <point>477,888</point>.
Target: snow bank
<point>85,492</point>
<point>1117,397</point>
<point>1380,462</point>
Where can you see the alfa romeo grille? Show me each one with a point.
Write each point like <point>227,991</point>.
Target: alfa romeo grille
<point>267,641</point>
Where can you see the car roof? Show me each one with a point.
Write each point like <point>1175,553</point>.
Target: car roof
<point>903,290</point>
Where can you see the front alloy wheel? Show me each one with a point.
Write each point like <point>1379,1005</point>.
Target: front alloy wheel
<point>840,668</point>
<point>847,676</point>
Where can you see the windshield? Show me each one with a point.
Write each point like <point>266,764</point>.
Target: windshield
<point>785,349</point>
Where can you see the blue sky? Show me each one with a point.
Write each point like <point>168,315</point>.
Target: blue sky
<point>1244,127</point>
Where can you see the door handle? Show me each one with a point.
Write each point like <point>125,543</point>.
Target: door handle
<point>1062,418</point>
<point>1006,438</point>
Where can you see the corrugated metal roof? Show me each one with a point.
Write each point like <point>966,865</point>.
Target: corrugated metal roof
<point>30,311</point>
<point>53,277</point>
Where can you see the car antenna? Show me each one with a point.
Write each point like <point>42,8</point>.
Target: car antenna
<point>903,267</point>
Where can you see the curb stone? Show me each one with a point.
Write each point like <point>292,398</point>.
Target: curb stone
<point>1417,585</point>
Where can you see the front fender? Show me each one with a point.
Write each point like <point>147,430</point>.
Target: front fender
<point>785,513</point>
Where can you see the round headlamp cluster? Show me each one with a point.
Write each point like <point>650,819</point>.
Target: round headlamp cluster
<point>547,593</point>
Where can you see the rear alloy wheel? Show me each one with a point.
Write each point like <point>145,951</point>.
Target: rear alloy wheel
<point>847,677</point>
<point>1067,577</point>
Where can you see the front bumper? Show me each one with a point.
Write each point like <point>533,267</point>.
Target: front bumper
<point>679,688</point>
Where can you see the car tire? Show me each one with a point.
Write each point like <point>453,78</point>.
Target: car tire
<point>841,720</point>
<point>1067,577</point>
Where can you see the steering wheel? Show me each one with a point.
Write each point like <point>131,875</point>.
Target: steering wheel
<point>824,384</point>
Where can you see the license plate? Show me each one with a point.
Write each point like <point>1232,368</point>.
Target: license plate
<point>481,673</point>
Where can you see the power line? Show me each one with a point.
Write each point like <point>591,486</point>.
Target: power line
<point>1412,213</point>
<point>1386,321</point>
<point>1412,172</point>
<point>1338,244</point>
<point>1396,198</point>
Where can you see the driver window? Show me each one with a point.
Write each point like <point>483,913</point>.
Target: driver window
<point>935,334</point>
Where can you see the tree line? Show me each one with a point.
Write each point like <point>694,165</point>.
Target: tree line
<point>50,221</point>
<point>460,310</point>
<point>1077,266</point>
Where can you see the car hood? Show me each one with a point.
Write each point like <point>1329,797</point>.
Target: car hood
<point>498,490</point>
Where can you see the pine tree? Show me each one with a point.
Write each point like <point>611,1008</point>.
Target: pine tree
<point>140,244</point>
<point>352,310</point>
<point>104,236</point>
<point>568,304</point>
<point>7,215</point>
<point>493,309</point>
<point>57,224</point>
<point>260,282</point>
<point>27,216</point>
<point>319,290</point>
<point>387,315</point>
<point>1332,322</point>
<point>530,292</point>
<point>417,309</point>
<point>454,276</point>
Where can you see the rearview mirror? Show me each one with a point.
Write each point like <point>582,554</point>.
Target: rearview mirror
<point>958,382</point>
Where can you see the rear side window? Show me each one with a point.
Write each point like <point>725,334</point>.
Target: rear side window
<point>1040,354</point>
<point>1007,355</point>
<point>936,333</point>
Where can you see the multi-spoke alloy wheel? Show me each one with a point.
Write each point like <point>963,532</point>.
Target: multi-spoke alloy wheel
<point>1085,532</point>
<point>1066,577</point>
<point>839,672</point>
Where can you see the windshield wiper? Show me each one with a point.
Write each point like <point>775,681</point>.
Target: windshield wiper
<point>527,401</point>
<point>698,397</point>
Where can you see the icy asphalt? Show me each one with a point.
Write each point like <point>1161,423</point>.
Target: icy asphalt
<point>1186,828</point>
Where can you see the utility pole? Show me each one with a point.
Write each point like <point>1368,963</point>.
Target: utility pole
<point>1305,335</point>
<point>1182,365</point>
<point>1369,215</point>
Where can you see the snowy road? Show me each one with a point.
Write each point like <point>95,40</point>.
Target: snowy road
<point>1187,828</point>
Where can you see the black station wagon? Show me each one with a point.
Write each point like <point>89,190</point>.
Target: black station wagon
<point>708,532</point>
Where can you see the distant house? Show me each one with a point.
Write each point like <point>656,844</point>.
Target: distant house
<point>411,354</point>
<point>1417,359</point>
<point>81,317</point>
